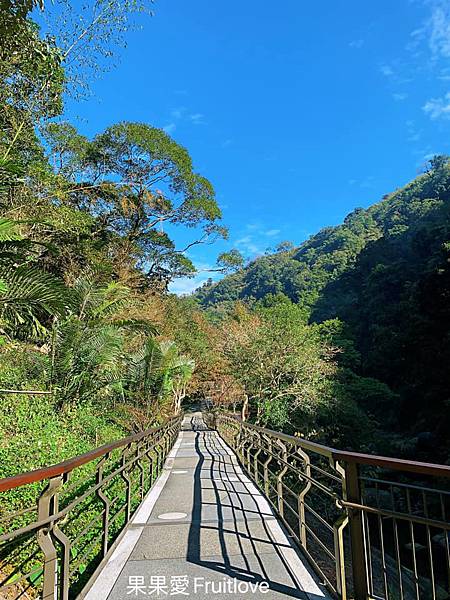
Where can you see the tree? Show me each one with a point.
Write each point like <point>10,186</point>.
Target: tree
<point>139,183</point>
<point>90,34</point>
<point>230,261</point>
<point>36,69</point>
<point>437,162</point>
<point>285,246</point>
<point>163,373</point>
<point>225,391</point>
<point>281,363</point>
<point>91,355</point>
<point>31,79</point>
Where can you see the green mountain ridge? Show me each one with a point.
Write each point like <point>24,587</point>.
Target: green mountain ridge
<point>385,273</point>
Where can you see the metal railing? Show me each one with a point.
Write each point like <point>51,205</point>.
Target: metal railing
<point>73,513</point>
<point>372,527</point>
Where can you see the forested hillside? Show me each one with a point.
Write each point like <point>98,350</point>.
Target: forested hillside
<point>343,340</point>
<point>86,351</point>
<point>385,274</point>
<point>92,345</point>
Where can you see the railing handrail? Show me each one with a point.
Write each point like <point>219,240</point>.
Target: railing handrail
<point>349,528</point>
<point>319,448</point>
<point>397,464</point>
<point>43,473</point>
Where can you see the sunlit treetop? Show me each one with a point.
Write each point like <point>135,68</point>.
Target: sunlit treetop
<point>141,184</point>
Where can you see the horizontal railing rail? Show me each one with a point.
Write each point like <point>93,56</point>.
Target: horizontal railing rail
<point>57,523</point>
<point>373,527</point>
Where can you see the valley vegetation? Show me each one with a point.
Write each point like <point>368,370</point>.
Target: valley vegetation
<point>343,340</point>
<point>377,287</point>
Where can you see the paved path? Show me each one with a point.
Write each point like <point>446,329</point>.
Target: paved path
<point>204,531</point>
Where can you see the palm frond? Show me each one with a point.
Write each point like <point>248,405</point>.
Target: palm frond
<point>9,230</point>
<point>30,297</point>
<point>140,325</point>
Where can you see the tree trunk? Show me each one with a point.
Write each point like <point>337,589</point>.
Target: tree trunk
<point>245,408</point>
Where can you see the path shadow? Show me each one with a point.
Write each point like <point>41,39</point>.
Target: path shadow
<point>236,510</point>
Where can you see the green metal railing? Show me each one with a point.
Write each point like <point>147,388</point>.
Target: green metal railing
<point>74,512</point>
<point>372,527</point>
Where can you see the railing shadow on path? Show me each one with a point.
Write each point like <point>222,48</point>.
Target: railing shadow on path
<point>226,476</point>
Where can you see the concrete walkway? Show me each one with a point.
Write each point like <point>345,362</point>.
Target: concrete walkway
<point>204,531</point>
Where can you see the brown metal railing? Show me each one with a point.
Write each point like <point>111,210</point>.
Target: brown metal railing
<point>73,513</point>
<point>372,527</point>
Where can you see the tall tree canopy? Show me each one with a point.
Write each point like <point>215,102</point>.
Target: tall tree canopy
<point>139,184</point>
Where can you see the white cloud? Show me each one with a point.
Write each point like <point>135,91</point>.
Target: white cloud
<point>181,113</point>
<point>414,137</point>
<point>367,182</point>
<point>364,183</point>
<point>437,108</point>
<point>356,43</point>
<point>243,240</point>
<point>253,241</point>
<point>169,128</point>
<point>226,143</point>
<point>177,113</point>
<point>413,134</point>
<point>185,285</point>
<point>399,97</point>
<point>386,70</point>
<point>247,245</point>
<point>196,118</point>
<point>435,31</point>
<point>439,29</point>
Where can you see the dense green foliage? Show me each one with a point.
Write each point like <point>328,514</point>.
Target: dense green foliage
<point>344,339</point>
<point>384,273</point>
<point>83,253</point>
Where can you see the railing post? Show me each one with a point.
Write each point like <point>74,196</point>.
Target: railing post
<point>280,476</point>
<point>240,443</point>
<point>301,497</point>
<point>356,530</point>
<point>166,439</point>
<point>234,435</point>
<point>249,447</point>
<point>64,577</point>
<point>141,470</point>
<point>46,508</point>
<point>126,477</point>
<point>150,456</point>
<point>255,461</point>
<point>338,535</point>
<point>158,450</point>
<point>266,468</point>
<point>106,502</point>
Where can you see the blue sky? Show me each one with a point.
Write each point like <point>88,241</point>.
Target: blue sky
<point>298,112</point>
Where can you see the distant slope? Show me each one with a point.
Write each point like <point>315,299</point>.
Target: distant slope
<point>300,273</point>
<point>303,273</point>
<point>386,273</point>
